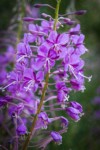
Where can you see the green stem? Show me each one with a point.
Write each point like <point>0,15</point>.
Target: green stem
<point>21,12</point>
<point>56,14</point>
<point>38,111</point>
<point>44,89</point>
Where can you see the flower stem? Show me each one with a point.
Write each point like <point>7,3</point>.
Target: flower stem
<point>38,111</point>
<point>20,26</point>
<point>56,14</point>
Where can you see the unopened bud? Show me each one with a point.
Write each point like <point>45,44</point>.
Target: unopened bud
<point>69,21</point>
<point>28,19</point>
<point>80,12</point>
<point>43,5</point>
<point>38,5</point>
<point>45,15</point>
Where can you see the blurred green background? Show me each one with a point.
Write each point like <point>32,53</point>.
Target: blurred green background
<point>81,135</point>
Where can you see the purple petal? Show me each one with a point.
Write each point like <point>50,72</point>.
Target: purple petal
<point>71,110</point>
<point>45,24</point>
<point>81,49</point>
<point>40,76</point>
<point>52,36</point>
<point>40,61</point>
<point>63,39</point>
<point>32,27</point>
<point>81,38</point>
<point>56,137</point>
<point>23,49</point>
<point>28,37</point>
<point>75,39</point>
<point>28,74</point>
<point>76,105</point>
<point>52,54</point>
<point>43,51</point>
<point>60,96</point>
<point>21,129</point>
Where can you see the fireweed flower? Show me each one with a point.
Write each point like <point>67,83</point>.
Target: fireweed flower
<point>24,50</point>
<point>62,91</point>
<point>58,42</point>
<point>45,58</point>
<point>31,79</point>
<point>47,67</point>
<point>73,113</point>
<point>42,121</point>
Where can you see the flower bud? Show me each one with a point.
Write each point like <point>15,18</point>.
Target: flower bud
<point>46,15</point>
<point>76,105</point>
<point>80,12</point>
<point>56,137</point>
<point>38,5</point>
<point>21,129</point>
<point>28,19</point>
<point>69,21</point>
<point>64,121</point>
<point>73,113</point>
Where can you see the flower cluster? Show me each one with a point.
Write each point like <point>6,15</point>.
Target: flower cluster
<point>48,66</point>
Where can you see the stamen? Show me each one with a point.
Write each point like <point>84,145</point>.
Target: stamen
<point>63,106</point>
<point>34,46</point>
<point>89,78</point>
<point>50,98</point>
<point>3,88</point>
<point>81,114</point>
<point>30,84</point>
<point>83,88</point>
<point>47,63</point>
<point>19,59</point>
<point>57,72</point>
<point>66,80</point>
<point>72,70</point>
<point>66,98</point>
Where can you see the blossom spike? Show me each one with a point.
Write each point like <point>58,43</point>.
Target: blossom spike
<point>46,67</point>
